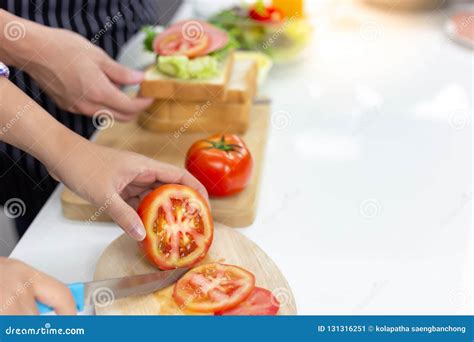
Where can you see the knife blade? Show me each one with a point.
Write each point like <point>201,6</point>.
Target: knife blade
<point>131,285</point>
<point>104,292</point>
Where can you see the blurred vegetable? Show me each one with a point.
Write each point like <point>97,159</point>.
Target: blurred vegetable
<point>283,40</point>
<point>260,12</point>
<point>150,35</point>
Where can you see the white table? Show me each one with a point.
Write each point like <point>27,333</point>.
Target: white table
<point>366,196</point>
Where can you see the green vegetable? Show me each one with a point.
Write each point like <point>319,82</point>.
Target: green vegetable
<point>222,53</point>
<point>182,67</point>
<point>150,35</point>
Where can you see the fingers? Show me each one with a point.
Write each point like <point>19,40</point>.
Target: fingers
<point>113,98</point>
<point>91,108</point>
<point>168,173</point>
<point>120,74</point>
<point>104,95</point>
<point>127,218</point>
<point>55,294</point>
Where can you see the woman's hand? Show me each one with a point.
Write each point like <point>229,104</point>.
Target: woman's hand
<point>77,75</point>
<point>21,285</point>
<point>116,181</point>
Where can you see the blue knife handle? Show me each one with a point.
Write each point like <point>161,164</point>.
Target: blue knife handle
<point>77,291</point>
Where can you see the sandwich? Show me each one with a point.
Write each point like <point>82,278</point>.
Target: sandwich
<point>194,62</point>
<point>229,115</point>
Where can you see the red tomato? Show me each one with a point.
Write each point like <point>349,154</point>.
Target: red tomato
<point>222,163</point>
<point>190,38</point>
<point>213,287</point>
<point>173,44</point>
<point>179,226</point>
<point>260,12</point>
<point>260,302</point>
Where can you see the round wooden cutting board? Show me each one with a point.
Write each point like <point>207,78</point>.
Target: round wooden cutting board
<point>123,258</point>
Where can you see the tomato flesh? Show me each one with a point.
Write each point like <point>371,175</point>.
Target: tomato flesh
<point>260,302</point>
<point>213,287</point>
<point>175,45</point>
<point>191,38</point>
<point>178,224</point>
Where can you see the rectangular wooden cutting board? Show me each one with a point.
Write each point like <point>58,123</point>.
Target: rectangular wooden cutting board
<point>234,211</point>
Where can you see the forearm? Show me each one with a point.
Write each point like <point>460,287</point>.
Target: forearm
<point>24,124</point>
<point>20,40</point>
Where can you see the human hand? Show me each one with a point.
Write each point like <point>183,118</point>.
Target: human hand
<point>116,181</point>
<point>22,285</point>
<point>79,76</point>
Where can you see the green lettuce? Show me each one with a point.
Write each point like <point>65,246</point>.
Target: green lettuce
<point>150,35</point>
<point>182,67</point>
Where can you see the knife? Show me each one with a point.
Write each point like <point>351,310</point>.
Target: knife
<point>104,292</point>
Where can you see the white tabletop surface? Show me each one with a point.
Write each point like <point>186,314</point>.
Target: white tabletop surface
<point>366,194</point>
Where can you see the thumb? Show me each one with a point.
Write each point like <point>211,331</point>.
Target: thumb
<point>127,218</point>
<point>120,74</point>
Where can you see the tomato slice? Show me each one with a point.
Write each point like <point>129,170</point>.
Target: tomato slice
<point>191,38</point>
<point>213,287</point>
<point>175,45</point>
<point>178,224</point>
<point>260,302</point>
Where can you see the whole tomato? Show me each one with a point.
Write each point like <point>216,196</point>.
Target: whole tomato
<point>222,163</point>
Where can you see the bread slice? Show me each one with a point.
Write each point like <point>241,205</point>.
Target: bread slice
<point>161,86</point>
<point>185,117</point>
<point>210,116</point>
<point>243,81</point>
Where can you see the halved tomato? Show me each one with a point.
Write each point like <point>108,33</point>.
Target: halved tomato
<point>213,287</point>
<point>260,302</point>
<point>179,226</point>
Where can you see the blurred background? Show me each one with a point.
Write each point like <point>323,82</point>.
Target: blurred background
<point>355,50</point>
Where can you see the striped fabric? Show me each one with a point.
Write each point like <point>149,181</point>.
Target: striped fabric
<point>22,176</point>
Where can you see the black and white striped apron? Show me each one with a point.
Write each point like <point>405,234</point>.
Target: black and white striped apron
<point>22,176</point>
